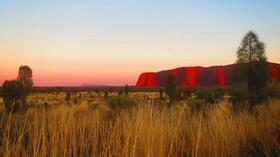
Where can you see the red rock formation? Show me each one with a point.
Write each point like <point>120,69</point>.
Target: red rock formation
<point>199,76</point>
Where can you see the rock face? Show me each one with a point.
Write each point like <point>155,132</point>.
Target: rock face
<point>199,76</point>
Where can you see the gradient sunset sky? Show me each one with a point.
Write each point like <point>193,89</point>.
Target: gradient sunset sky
<point>110,42</point>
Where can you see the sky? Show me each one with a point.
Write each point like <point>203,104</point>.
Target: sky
<point>110,42</point>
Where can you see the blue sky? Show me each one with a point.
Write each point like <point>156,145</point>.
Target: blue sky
<point>112,42</point>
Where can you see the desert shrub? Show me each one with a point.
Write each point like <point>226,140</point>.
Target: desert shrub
<point>210,95</point>
<point>11,94</point>
<point>26,82</point>
<point>187,93</point>
<point>239,94</point>
<point>219,93</point>
<point>121,102</point>
<point>273,90</point>
<point>171,89</point>
<point>195,104</point>
<point>179,94</point>
<point>206,95</point>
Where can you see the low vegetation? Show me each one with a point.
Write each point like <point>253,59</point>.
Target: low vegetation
<point>89,129</point>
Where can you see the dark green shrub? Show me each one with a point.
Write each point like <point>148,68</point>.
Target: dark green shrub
<point>187,93</point>
<point>239,94</point>
<point>195,104</point>
<point>11,94</point>
<point>273,90</point>
<point>171,89</point>
<point>121,102</point>
<point>25,79</point>
<point>207,96</point>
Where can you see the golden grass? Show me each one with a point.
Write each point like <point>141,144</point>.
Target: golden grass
<point>86,130</point>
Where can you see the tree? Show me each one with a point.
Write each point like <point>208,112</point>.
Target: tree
<point>170,88</point>
<point>252,67</point>
<point>11,93</point>
<point>25,79</point>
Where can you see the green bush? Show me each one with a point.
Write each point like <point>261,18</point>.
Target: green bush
<point>210,95</point>
<point>273,90</point>
<point>121,102</point>
<point>171,89</point>
<point>11,94</point>
<point>239,94</point>
<point>195,103</point>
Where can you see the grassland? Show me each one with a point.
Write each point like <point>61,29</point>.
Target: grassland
<point>88,127</point>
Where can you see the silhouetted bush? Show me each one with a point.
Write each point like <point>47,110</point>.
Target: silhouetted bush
<point>11,92</point>
<point>171,89</point>
<point>239,94</point>
<point>195,104</point>
<point>25,79</point>
<point>273,90</point>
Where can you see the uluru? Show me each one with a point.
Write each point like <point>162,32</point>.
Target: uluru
<point>198,76</point>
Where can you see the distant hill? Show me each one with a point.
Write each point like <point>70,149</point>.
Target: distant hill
<point>198,76</point>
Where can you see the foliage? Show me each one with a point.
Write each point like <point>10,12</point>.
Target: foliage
<point>195,104</point>
<point>239,94</point>
<point>11,93</point>
<point>25,79</point>
<point>121,102</point>
<point>273,90</point>
<point>252,67</point>
<point>210,95</point>
<point>171,89</point>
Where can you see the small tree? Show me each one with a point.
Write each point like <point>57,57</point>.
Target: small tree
<point>25,79</point>
<point>170,88</point>
<point>252,67</point>
<point>11,94</point>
